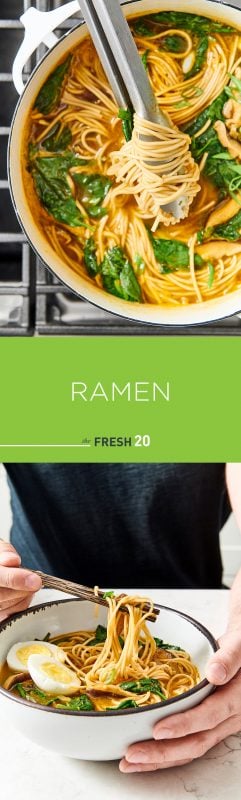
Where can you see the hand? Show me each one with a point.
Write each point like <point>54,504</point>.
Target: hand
<point>16,585</point>
<point>181,738</point>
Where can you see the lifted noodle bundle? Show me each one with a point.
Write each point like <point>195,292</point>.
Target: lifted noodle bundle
<point>156,168</point>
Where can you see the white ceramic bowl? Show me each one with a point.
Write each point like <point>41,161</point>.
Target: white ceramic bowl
<point>95,735</point>
<point>160,315</point>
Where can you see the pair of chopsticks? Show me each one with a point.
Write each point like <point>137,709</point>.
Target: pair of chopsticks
<point>120,58</point>
<point>86,593</point>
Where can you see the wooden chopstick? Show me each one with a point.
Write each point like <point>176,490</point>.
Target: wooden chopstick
<point>86,593</point>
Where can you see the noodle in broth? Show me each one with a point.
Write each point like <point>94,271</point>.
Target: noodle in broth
<point>121,666</point>
<point>100,209</point>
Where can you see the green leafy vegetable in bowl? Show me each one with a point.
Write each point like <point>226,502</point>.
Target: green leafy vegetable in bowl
<point>144,685</point>
<point>49,96</point>
<point>173,254</point>
<point>92,189</point>
<point>118,275</point>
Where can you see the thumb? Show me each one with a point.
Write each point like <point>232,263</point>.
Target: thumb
<point>8,555</point>
<point>227,661</point>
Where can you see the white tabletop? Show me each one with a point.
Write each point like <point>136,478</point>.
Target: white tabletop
<point>28,772</point>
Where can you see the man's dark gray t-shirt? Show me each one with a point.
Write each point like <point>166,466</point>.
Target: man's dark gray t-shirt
<point>136,525</point>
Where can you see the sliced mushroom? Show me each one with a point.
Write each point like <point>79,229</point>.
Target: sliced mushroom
<point>232,114</point>
<point>217,249</point>
<point>104,692</point>
<point>234,148</point>
<point>162,655</point>
<point>232,110</point>
<point>19,677</point>
<point>225,211</point>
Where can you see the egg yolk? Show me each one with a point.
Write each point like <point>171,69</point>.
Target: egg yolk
<point>61,674</point>
<point>24,652</point>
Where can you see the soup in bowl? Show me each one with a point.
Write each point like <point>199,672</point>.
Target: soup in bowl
<point>88,207</point>
<point>91,731</point>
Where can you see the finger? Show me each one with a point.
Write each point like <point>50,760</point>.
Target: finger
<point>188,747</point>
<point>211,712</point>
<point>226,662</point>
<point>125,766</point>
<point>18,578</point>
<point>9,598</point>
<point>21,606</point>
<point>8,555</point>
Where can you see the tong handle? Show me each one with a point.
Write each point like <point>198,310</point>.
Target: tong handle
<point>118,35</point>
<point>84,592</point>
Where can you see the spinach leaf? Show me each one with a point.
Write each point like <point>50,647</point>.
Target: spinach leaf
<point>126,115</point>
<point>225,173</point>
<point>143,685</point>
<point>36,696</point>
<point>172,254</point>
<point>91,191</point>
<point>57,139</point>
<point>50,178</point>
<point>230,230</point>
<point>128,703</point>
<point>141,29</point>
<point>144,58</point>
<point>164,646</point>
<point>200,57</point>
<point>219,166</point>
<point>234,88</point>
<point>90,258</point>
<point>209,143</point>
<point>20,689</point>
<point>64,211</point>
<point>49,96</point>
<point>211,274</point>
<point>190,22</point>
<point>82,703</point>
<point>173,43</point>
<point>213,112</point>
<point>33,694</point>
<point>118,275</point>
<point>108,594</point>
<point>100,636</point>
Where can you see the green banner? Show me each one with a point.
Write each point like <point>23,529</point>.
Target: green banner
<point>120,399</point>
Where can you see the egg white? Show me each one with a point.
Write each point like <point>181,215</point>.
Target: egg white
<point>17,658</point>
<point>51,676</point>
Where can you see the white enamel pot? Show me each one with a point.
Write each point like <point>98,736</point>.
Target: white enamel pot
<point>95,735</point>
<point>39,27</point>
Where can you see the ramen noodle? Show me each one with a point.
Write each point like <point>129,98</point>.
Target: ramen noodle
<point>91,174</point>
<point>119,667</point>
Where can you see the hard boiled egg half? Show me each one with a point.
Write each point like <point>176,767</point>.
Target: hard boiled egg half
<point>51,676</point>
<point>17,658</point>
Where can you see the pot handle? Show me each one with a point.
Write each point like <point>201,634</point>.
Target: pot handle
<point>39,27</point>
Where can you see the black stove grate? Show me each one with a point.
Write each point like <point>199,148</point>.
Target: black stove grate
<point>32,301</point>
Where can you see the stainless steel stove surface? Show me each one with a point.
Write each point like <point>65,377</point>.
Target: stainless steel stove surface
<point>32,301</point>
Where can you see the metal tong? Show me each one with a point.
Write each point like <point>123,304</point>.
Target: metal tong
<point>120,58</point>
<point>123,66</point>
<point>86,593</point>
